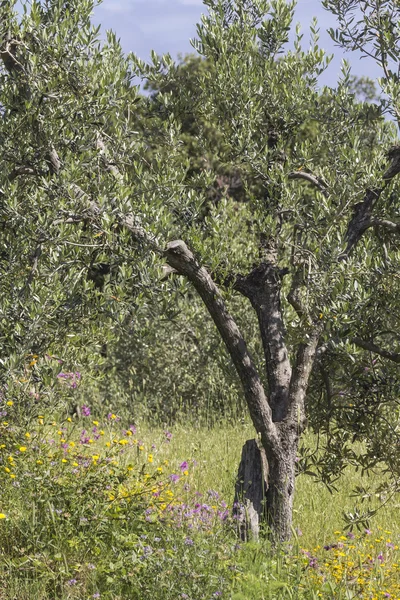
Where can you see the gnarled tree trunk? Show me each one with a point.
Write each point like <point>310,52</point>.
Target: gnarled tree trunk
<point>279,418</point>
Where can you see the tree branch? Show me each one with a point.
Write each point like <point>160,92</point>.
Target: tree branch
<point>315,181</point>
<point>384,224</point>
<point>304,363</point>
<point>179,257</point>
<point>371,347</point>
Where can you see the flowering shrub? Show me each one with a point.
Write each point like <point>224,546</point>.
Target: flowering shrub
<point>94,512</point>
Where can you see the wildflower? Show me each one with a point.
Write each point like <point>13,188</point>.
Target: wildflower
<point>189,542</point>
<point>10,403</point>
<point>96,595</point>
<point>150,458</point>
<point>85,410</point>
<point>22,448</point>
<point>72,582</point>
<point>168,435</point>
<point>3,516</point>
<point>213,494</point>
<point>183,466</point>
<point>174,478</point>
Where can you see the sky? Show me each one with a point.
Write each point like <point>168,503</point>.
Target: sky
<point>168,25</point>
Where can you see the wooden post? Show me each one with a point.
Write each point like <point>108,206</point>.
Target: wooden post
<point>250,490</point>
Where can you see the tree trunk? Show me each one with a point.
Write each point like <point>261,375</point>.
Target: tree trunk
<point>280,494</point>
<point>278,418</point>
<point>264,492</point>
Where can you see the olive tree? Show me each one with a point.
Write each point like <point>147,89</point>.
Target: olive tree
<point>318,244</point>
<point>100,208</point>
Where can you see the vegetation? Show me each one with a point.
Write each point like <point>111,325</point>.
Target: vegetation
<point>132,229</point>
<point>97,509</point>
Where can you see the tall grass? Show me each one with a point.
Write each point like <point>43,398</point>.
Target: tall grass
<point>107,518</point>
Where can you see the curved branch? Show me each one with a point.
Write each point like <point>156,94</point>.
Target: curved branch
<point>315,181</point>
<point>371,347</point>
<point>385,224</point>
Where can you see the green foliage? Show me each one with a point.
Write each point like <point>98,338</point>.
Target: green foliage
<point>84,154</point>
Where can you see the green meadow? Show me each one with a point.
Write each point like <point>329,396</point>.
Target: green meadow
<point>94,508</point>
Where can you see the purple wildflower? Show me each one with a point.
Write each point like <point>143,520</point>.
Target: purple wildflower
<point>213,494</point>
<point>189,542</point>
<point>72,582</point>
<point>85,410</point>
<point>183,466</point>
<point>174,478</point>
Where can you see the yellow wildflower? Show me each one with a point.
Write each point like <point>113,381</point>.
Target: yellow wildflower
<point>22,448</point>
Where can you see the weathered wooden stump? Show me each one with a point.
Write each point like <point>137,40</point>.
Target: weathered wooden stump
<point>249,506</point>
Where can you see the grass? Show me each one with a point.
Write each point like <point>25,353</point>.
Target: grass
<point>101,518</point>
